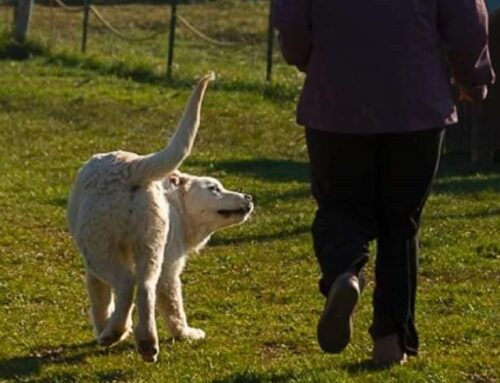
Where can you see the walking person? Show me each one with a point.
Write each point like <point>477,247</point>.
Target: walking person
<point>490,110</point>
<point>375,104</point>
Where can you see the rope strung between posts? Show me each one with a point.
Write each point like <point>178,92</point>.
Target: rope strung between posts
<point>116,32</point>
<point>201,35</point>
<point>69,9</point>
<point>106,23</point>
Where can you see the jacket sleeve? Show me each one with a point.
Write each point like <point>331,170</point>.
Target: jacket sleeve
<point>292,19</point>
<point>463,26</point>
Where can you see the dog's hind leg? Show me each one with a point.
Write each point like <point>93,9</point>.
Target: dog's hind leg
<point>150,217</point>
<point>149,260</point>
<point>107,273</point>
<point>171,305</point>
<point>119,324</point>
<point>101,302</point>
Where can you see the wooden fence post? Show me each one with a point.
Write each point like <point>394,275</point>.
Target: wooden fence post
<point>86,11</point>
<point>270,43</point>
<point>479,147</point>
<point>171,37</point>
<point>22,19</point>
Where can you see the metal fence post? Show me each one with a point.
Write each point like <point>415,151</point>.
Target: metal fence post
<point>86,10</point>
<point>171,37</point>
<point>270,43</point>
<point>22,19</point>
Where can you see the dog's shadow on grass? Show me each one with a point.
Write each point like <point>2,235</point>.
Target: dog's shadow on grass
<point>30,365</point>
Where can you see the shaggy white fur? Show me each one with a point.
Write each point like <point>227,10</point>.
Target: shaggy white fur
<point>134,219</point>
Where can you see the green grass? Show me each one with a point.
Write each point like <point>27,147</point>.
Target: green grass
<point>254,288</point>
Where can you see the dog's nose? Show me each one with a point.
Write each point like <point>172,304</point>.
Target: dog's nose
<point>248,197</point>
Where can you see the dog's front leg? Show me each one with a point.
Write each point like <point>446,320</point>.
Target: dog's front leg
<point>171,305</point>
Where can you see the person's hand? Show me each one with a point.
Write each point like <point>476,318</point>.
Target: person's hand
<point>463,95</point>
<point>472,94</point>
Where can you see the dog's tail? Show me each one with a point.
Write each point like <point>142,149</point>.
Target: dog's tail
<point>156,166</point>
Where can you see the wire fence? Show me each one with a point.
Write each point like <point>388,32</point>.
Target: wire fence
<point>58,21</point>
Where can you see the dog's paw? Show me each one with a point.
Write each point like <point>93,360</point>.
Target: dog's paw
<point>191,333</point>
<point>148,349</point>
<point>110,338</point>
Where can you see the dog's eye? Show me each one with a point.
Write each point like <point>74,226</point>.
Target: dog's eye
<point>214,188</point>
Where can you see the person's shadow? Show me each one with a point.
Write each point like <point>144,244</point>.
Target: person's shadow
<point>358,368</point>
<point>362,367</point>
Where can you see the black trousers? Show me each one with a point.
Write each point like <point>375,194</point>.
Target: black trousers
<point>373,187</point>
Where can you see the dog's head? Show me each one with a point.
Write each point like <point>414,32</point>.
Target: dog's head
<point>209,206</point>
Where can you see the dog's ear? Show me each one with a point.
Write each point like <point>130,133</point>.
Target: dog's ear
<point>177,178</point>
<point>174,179</point>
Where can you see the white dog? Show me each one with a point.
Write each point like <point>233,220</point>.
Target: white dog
<point>134,219</point>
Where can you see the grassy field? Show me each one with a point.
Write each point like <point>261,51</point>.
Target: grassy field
<point>253,290</point>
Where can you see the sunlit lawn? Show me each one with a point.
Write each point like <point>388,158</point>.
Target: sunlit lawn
<point>254,288</point>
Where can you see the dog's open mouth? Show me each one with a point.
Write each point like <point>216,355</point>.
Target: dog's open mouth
<point>228,213</point>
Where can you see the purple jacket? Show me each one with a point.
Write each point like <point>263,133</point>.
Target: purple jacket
<point>377,66</point>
